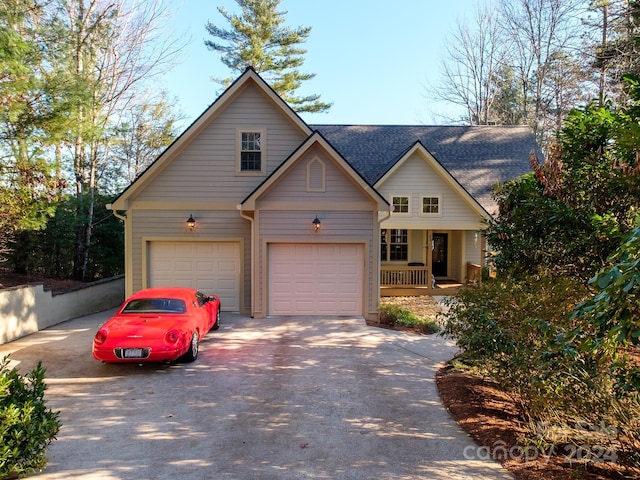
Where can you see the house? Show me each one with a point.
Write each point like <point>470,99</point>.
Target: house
<point>279,217</point>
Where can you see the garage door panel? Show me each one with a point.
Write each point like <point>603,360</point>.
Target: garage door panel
<point>182,249</point>
<point>227,266</point>
<point>184,267</point>
<point>212,267</point>
<point>204,249</point>
<point>315,279</point>
<point>325,269</point>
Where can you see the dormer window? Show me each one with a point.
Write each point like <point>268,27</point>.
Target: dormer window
<point>431,206</point>
<point>251,151</point>
<point>400,204</point>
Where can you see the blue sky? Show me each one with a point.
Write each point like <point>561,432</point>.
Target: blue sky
<point>372,58</point>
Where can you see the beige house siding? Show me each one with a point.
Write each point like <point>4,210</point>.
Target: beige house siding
<point>170,225</point>
<point>201,180</point>
<point>473,248</point>
<point>292,191</point>
<point>205,171</point>
<point>417,246</point>
<point>415,178</point>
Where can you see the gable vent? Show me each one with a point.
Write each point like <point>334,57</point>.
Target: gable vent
<point>315,175</point>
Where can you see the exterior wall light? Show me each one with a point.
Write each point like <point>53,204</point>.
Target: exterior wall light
<point>316,224</point>
<point>191,223</point>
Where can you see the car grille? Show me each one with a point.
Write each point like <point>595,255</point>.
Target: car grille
<point>132,352</point>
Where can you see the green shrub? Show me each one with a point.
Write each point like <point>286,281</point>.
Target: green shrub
<point>511,330</point>
<point>27,426</point>
<point>522,333</point>
<point>393,315</point>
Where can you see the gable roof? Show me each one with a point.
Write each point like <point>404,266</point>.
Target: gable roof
<point>315,138</point>
<point>476,156</point>
<point>248,77</point>
<point>440,170</point>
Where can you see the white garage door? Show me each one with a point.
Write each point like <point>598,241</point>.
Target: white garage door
<point>211,267</point>
<point>315,279</point>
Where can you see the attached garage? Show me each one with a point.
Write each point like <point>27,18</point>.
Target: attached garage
<point>211,267</point>
<point>315,279</point>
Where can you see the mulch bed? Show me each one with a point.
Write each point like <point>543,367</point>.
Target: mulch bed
<point>9,279</point>
<point>492,418</point>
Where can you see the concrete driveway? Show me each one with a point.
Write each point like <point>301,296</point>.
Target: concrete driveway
<point>280,398</point>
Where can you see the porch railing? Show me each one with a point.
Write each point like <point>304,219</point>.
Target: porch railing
<point>404,276</point>
<point>474,273</point>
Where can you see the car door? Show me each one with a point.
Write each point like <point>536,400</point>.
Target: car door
<point>205,307</point>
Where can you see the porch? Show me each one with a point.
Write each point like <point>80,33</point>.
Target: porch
<point>414,280</point>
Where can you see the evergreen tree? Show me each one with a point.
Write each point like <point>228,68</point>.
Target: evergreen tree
<point>28,177</point>
<point>618,46</point>
<point>257,38</point>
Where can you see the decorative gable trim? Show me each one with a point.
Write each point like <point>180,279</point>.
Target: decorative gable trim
<point>316,175</point>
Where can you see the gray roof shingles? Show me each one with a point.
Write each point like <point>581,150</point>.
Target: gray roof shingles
<point>476,156</point>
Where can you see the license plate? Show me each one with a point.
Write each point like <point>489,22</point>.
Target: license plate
<point>133,353</point>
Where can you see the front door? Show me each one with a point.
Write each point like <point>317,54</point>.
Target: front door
<point>439,254</point>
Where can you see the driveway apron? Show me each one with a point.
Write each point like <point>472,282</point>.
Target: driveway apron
<point>275,398</point>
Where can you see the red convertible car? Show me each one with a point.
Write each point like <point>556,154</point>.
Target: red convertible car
<point>157,325</point>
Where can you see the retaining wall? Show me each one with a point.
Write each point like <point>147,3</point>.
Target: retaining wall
<point>29,308</point>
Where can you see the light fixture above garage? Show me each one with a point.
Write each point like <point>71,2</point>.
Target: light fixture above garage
<point>316,224</point>
<point>191,223</point>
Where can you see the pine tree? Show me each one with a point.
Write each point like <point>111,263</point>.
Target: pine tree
<point>28,177</point>
<point>257,38</point>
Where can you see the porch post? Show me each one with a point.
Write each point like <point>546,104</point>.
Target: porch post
<point>429,259</point>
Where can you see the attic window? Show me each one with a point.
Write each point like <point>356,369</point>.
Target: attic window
<point>431,206</point>
<point>251,151</point>
<point>315,175</point>
<point>400,205</point>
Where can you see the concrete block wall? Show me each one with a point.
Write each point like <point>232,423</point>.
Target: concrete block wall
<point>28,308</point>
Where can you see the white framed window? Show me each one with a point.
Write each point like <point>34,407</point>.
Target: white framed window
<point>251,151</point>
<point>431,205</point>
<point>394,245</point>
<point>401,205</point>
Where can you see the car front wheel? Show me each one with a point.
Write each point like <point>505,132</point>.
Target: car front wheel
<point>192,353</point>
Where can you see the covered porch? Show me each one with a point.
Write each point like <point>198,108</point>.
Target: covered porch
<point>429,262</point>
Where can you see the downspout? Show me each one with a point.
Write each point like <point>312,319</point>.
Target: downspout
<point>115,213</point>
<point>128,287</point>
<point>379,265</point>
<point>253,286</point>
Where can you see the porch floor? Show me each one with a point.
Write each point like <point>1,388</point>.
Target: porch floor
<point>443,287</point>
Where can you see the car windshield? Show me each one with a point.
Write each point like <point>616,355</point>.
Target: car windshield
<point>155,305</point>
